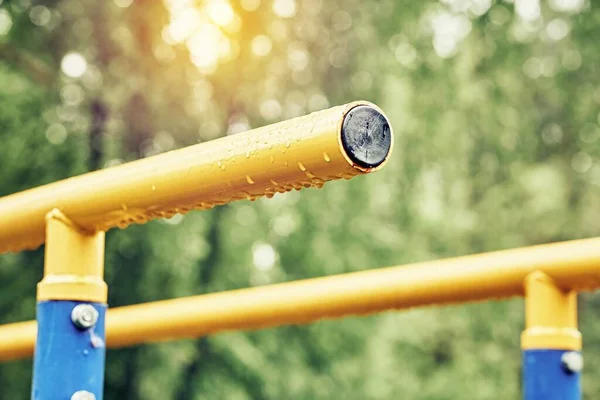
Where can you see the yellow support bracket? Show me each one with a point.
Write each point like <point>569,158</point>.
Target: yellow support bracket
<point>550,315</point>
<point>74,262</point>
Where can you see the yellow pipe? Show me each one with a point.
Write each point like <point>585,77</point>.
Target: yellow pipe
<point>571,265</point>
<point>550,315</point>
<point>17,340</point>
<point>301,152</point>
<point>73,263</point>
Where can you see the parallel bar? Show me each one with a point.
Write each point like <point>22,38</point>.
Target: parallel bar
<point>17,340</point>
<point>572,265</point>
<point>301,152</point>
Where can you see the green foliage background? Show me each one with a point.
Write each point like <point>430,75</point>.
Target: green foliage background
<point>495,110</point>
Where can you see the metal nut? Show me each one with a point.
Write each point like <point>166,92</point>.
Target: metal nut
<point>84,316</point>
<point>83,395</point>
<point>572,362</point>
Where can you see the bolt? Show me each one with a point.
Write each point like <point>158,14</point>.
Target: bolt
<point>84,316</point>
<point>572,362</point>
<point>83,395</point>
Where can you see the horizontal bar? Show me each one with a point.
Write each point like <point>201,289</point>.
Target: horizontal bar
<point>572,265</point>
<point>308,151</point>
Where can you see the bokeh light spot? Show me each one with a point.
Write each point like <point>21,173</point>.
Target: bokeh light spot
<point>5,22</point>
<point>285,8</point>
<point>261,45</point>
<point>72,94</point>
<point>73,65</point>
<point>528,10</point>
<point>552,134</point>
<point>220,12</point>
<point>318,102</point>
<point>572,6</point>
<point>405,53</point>
<point>341,20</point>
<point>270,109</point>
<point>297,57</point>
<point>250,5</point>
<point>123,3</point>
<point>40,15</point>
<point>264,256</point>
<point>581,162</point>
<point>557,29</point>
<point>56,133</point>
<point>206,46</point>
<point>448,31</point>
<point>184,24</point>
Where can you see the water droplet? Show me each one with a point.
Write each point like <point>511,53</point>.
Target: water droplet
<point>326,157</point>
<point>248,154</point>
<point>270,145</point>
<point>97,341</point>
<point>285,163</point>
<point>124,207</point>
<point>274,182</point>
<point>302,167</point>
<point>287,144</point>
<point>153,188</point>
<point>86,352</point>
<point>250,181</point>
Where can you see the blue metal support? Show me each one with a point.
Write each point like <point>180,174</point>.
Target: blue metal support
<point>69,352</point>
<point>552,374</point>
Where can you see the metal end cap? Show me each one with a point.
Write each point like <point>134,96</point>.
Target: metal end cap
<point>366,136</point>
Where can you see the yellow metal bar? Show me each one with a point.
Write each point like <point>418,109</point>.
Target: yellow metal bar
<point>73,264</point>
<point>17,340</point>
<point>550,315</point>
<point>301,152</point>
<point>571,265</point>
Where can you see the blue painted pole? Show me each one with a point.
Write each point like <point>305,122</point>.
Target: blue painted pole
<point>552,374</point>
<point>70,351</point>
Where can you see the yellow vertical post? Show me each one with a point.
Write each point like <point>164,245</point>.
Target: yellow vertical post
<point>70,350</point>
<point>551,343</point>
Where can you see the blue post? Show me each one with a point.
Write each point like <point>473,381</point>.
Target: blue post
<point>552,374</point>
<point>69,352</point>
